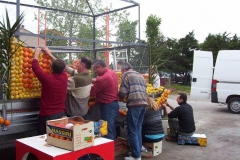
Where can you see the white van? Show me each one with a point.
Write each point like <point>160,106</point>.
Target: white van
<point>220,83</point>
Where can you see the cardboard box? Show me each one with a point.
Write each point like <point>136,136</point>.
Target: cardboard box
<point>121,146</point>
<point>78,136</point>
<point>100,128</point>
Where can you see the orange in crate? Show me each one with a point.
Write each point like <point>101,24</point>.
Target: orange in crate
<point>7,122</point>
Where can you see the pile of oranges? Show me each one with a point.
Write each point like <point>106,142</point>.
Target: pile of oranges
<point>5,122</point>
<point>163,98</point>
<point>75,64</point>
<point>59,137</point>
<point>23,82</point>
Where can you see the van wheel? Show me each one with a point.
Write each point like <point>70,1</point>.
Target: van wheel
<point>234,105</point>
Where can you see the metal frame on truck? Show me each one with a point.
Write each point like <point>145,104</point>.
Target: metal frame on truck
<point>23,113</point>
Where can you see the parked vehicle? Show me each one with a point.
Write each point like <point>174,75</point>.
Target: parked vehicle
<point>220,83</point>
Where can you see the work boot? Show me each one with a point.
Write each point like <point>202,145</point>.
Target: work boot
<point>131,158</point>
<point>171,139</point>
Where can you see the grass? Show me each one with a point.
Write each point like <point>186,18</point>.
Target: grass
<point>176,88</point>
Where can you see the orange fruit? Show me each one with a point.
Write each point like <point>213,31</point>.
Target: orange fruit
<point>45,56</point>
<point>25,54</point>
<point>25,85</point>
<point>62,138</point>
<point>24,70</point>
<point>24,80</point>
<point>52,135</point>
<point>25,75</point>
<point>30,71</point>
<point>57,136</point>
<point>44,60</point>
<point>30,76</point>
<point>25,65</point>
<point>30,60</point>
<point>30,55</point>
<point>29,65</point>
<point>7,122</point>
<point>29,81</point>
<point>30,50</point>
<point>69,139</point>
<point>48,66</point>
<point>30,86</point>
<point>25,59</point>
<point>1,120</point>
<point>44,65</point>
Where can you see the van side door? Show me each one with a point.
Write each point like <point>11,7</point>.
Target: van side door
<point>202,75</point>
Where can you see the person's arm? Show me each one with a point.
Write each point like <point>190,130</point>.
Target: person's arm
<point>46,51</point>
<point>165,105</point>
<point>94,80</point>
<point>41,75</point>
<point>36,53</point>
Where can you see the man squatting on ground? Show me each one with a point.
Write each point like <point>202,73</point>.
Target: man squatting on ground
<point>181,119</point>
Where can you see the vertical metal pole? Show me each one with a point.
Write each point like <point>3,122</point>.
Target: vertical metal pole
<point>139,22</point>
<point>149,62</point>
<point>18,8</point>
<point>94,37</point>
<point>39,26</point>
<point>18,14</point>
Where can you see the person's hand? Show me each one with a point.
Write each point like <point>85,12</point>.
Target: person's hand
<point>94,80</point>
<point>164,105</point>
<point>167,104</point>
<point>45,50</point>
<point>37,52</point>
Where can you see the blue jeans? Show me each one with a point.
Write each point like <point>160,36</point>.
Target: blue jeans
<point>134,118</point>
<point>109,113</point>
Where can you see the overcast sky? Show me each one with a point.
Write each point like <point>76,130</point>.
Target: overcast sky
<point>179,17</point>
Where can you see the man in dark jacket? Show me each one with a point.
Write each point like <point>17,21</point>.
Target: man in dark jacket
<point>181,119</point>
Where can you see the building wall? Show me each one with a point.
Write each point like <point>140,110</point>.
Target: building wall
<point>30,41</point>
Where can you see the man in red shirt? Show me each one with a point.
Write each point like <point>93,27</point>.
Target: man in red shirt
<point>106,90</point>
<point>54,88</point>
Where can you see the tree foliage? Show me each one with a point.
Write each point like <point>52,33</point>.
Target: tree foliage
<point>127,31</point>
<point>219,42</point>
<point>156,42</point>
<point>79,26</point>
<point>6,52</point>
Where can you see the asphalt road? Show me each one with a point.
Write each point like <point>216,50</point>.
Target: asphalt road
<point>221,128</point>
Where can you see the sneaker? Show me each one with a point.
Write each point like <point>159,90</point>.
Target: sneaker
<point>143,149</point>
<point>131,158</point>
<point>171,139</point>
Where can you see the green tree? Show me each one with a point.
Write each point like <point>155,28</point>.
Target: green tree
<point>156,42</point>
<point>127,31</point>
<point>184,58</point>
<point>178,55</point>
<point>6,52</point>
<point>218,42</point>
<point>81,26</point>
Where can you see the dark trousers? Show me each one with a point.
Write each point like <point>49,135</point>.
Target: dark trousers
<point>41,122</point>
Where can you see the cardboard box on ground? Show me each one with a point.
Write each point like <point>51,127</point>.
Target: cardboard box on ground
<point>74,133</point>
<point>121,146</point>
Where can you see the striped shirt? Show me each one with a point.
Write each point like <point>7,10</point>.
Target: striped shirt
<point>133,87</point>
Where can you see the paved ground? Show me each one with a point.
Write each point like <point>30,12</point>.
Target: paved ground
<point>221,128</point>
